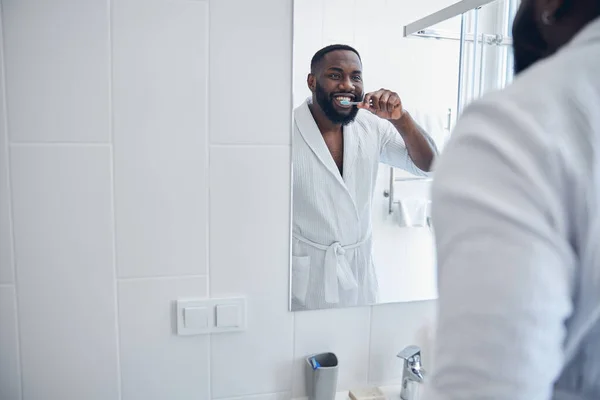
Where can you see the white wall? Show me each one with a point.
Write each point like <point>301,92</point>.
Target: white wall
<point>126,136</point>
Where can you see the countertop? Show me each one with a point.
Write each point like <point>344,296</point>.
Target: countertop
<point>391,392</point>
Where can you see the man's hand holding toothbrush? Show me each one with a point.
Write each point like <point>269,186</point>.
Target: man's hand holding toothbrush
<point>383,103</point>
<point>387,104</point>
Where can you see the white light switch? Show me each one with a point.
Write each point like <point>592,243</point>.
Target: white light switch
<point>195,317</point>
<point>204,316</point>
<point>228,316</point>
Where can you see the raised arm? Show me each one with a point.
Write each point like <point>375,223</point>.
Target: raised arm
<point>419,148</point>
<point>406,145</point>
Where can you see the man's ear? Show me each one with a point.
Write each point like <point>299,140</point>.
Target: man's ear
<point>311,81</point>
<point>553,9</point>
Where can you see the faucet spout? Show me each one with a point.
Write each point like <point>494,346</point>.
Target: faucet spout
<point>412,373</point>
<point>415,374</point>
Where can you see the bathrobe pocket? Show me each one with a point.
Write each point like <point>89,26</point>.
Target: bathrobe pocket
<point>300,277</point>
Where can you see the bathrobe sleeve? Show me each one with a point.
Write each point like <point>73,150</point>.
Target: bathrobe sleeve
<point>394,151</point>
<point>505,264</point>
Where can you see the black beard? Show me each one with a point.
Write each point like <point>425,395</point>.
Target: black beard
<point>326,103</point>
<point>529,46</point>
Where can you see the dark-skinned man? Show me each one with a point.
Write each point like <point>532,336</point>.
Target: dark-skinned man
<point>337,148</point>
<point>516,210</point>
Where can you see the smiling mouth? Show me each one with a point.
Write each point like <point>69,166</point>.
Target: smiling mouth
<point>343,97</point>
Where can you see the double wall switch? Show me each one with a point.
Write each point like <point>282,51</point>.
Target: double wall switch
<point>204,316</point>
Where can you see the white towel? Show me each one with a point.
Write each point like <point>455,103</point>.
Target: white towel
<point>434,122</point>
<point>414,212</point>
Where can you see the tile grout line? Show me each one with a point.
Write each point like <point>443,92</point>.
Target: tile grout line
<point>61,144</point>
<point>113,188</point>
<point>11,210</point>
<point>250,396</point>
<point>251,145</point>
<point>207,196</point>
<point>246,397</point>
<point>370,347</point>
<point>293,355</point>
<point>161,277</point>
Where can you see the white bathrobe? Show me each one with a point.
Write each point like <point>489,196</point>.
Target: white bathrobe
<point>332,264</point>
<point>516,210</point>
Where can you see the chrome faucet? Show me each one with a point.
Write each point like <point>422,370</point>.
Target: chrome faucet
<point>412,374</point>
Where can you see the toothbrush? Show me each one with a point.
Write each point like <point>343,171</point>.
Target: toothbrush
<point>353,103</point>
<point>315,363</point>
<point>349,103</point>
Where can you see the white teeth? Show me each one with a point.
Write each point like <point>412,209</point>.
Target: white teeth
<point>342,98</point>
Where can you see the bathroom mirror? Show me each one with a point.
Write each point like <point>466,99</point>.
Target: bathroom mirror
<point>361,231</point>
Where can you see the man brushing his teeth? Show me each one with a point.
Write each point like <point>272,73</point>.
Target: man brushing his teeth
<point>337,148</point>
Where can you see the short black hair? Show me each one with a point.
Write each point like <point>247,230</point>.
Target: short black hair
<point>319,55</point>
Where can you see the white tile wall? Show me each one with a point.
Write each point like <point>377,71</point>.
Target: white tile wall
<point>249,256</point>
<point>156,364</point>
<point>250,66</point>
<point>132,85</point>
<point>64,255</point>
<point>10,376</point>
<point>268,396</point>
<point>338,21</point>
<point>394,326</point>
<point>160,74</point>
<point>344,332</point>
<point>57,70</point>
<point>6,245</point>
<point>303,50</point>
